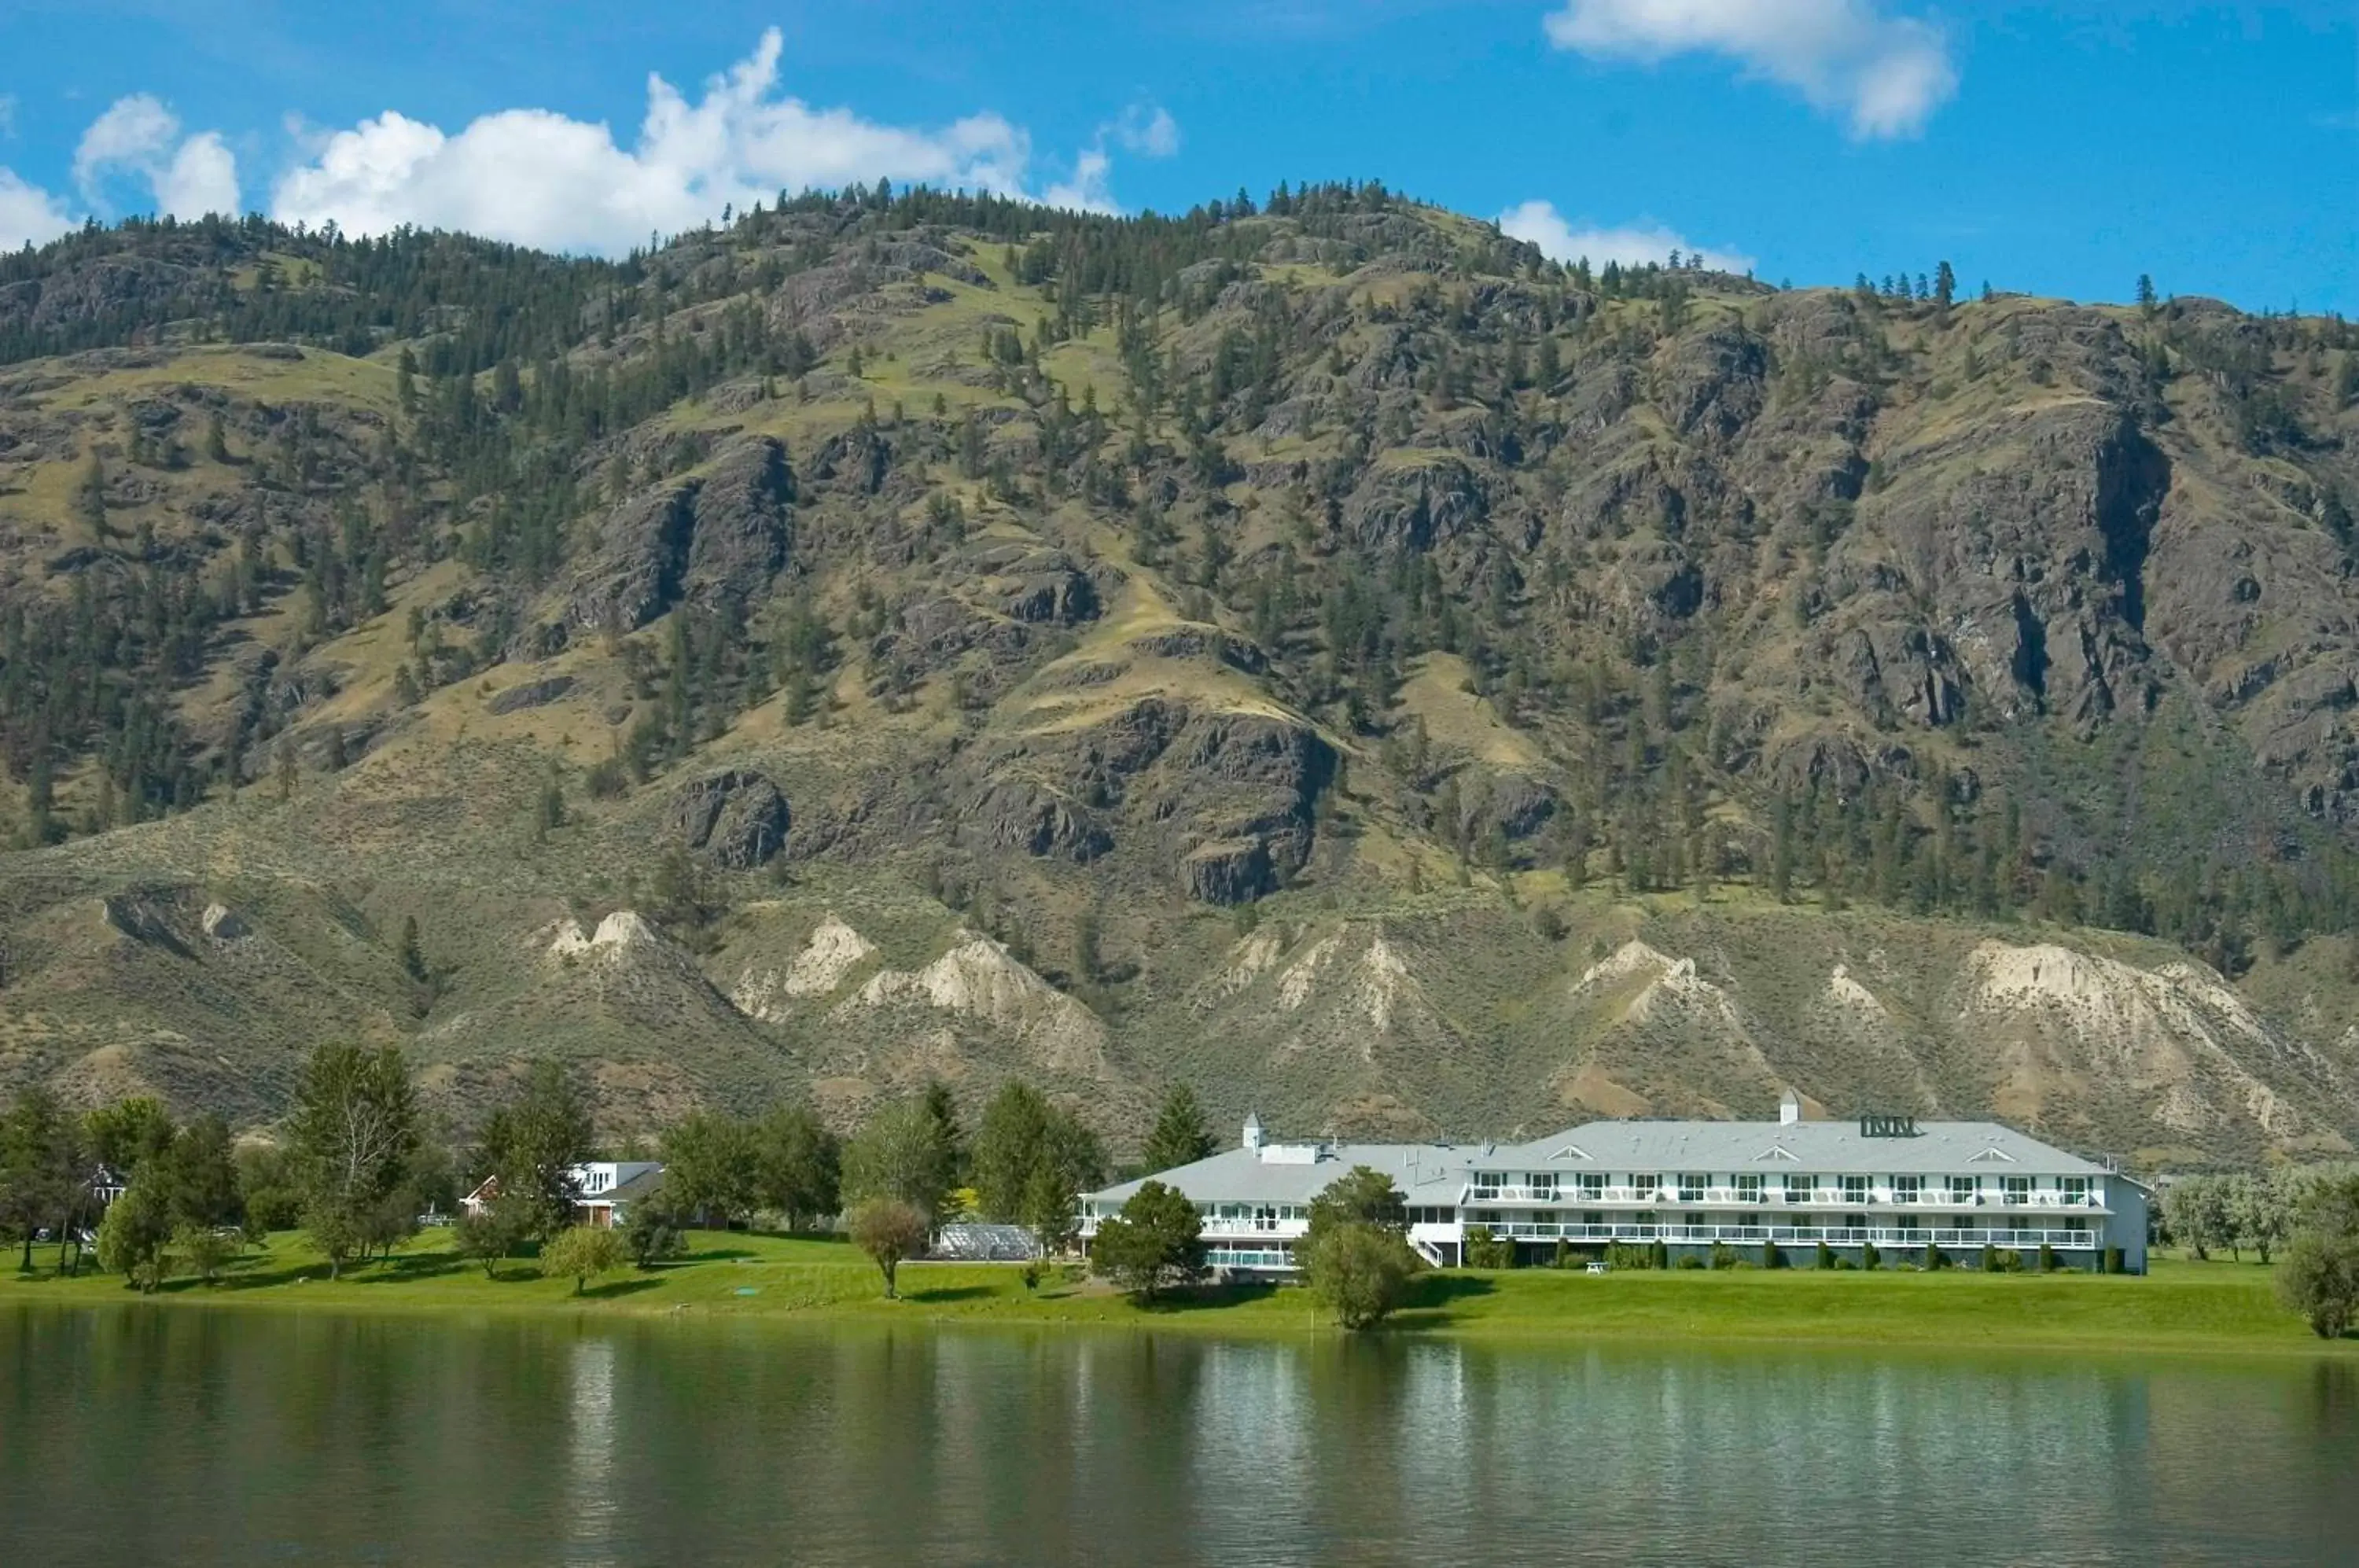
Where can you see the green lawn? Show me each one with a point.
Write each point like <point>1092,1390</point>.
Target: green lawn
<point>2181,1306</point>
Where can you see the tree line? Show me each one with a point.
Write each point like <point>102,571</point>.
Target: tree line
<point>357,1164</point>
<point>2238,1212</point>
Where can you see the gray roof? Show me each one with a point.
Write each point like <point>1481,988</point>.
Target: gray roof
<point>1430,1174</point>
<point>645,1184</point>
<point>1938,1149</point>
<point>1425,1173</point>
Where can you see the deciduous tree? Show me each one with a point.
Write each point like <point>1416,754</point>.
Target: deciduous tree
<point>901,1153</point>
<point>582,1253</point>
<point>798,1166</point>
<point>355,1129</point>
<point>531,1145</point>
<point>888,1230</point>
<point>1032,1161</point>
<point>132,1239</point>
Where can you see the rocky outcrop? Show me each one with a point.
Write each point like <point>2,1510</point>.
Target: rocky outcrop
<point>737,819</point>
<point>722,535</point>
<point>1239,792</point>
<point>980,983</point>
<point>530,694</point>
<point>834,953</point>
<point>1415,505</point>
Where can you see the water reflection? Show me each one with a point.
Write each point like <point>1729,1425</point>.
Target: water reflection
<point>207,1438</point>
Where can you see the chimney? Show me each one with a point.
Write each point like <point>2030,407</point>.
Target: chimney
<point>1789,1108</point>
<point>1252,1130</point>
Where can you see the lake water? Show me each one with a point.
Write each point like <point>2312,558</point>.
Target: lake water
<point>150,1435</point>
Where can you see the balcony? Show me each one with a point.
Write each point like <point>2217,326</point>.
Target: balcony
<point>1890,1238</point>
<point>1814,1198</point>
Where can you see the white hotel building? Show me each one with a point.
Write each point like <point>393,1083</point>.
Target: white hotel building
<point>1892,1183</point>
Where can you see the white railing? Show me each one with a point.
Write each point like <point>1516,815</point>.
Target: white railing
<point>1796,1235</point>
<point>1813,1197</point>
<point>1254,1227</point>
<point>1247,1257</point>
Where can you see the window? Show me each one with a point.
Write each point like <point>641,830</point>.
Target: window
<point>2076,1190</point>
<point>1543,1184</point>
<point>1691,1186</point>
<point>1592,1185</point>
<point>2017,1189</point>
<point>1798,1187</point>
<point>1962,1189</point>
<point>1749,1189</point>
<point>1908,1188</point>
<point>1645,1186</point>
<point>1854,1189</point>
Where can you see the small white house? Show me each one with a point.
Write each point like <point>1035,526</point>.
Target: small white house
<point>603,1188</point>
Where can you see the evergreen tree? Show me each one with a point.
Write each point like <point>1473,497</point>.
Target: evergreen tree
<point>1180,1136</point>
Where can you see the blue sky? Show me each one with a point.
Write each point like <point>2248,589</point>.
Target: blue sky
<point>2060,149</point>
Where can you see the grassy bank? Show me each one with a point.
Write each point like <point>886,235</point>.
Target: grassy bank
<point>2181,1307</point>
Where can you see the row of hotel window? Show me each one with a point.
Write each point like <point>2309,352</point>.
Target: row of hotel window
<point>1543,1186</point>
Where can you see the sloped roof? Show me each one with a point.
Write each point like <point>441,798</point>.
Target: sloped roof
<point>1425,1173</point>
<point>1938,1148</point>
<point>645,1184</point>
<point>1430,1173</point>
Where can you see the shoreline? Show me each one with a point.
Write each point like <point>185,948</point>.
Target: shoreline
<point>2193,1310</point>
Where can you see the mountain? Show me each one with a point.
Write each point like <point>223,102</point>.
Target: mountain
<point>1322,650</point>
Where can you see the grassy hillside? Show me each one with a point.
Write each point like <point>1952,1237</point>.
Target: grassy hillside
<point>1322,651</point>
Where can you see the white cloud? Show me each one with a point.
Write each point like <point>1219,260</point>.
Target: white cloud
<point>202,178</point>
<point>1630,245</point>
<point>1090,190</point>
<point>1886,73</point>
<point>28,215</point>
<point>138,133</point>
<point>1148,130</point>
<point>541,178</point>
<point>134,132</point>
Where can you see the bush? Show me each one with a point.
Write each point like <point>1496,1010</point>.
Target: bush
<point>205,1250</point>
<point>1934,1261</point>
<point>1484,1251</point>
<point>1870,1257</point>
<point>652,1234</point>
<point>1563,1259</point>
<point>1156,1241</point>
<point>2113,1262</point>
<point>2318,1277</point>
<point>2047,1259</point>
<point>1689,1261</point>
<point>1770,1256</point>
<point>487,1234</point>
<point>132,1238</point>
<point>1826,1256</point>
<point>1662,1256</point>
<point>1359,1271</point>
<point>1722,1256</point>
<point>1621,1255</point>
<point>582,1253</point>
